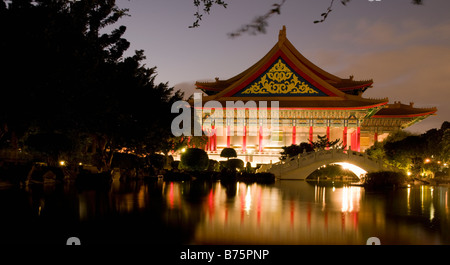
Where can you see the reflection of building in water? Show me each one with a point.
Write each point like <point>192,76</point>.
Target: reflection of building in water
<point>288,212</point>
<point>260,215</point>
<point>95,203</point>
<point>297,213</point>
<point>427,201</point>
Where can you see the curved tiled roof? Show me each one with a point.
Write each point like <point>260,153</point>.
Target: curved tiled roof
<point>285,47</point>
<point>399,110</point>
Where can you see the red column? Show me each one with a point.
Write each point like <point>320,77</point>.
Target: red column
<point>214,139</point>
<point>328,136</point>
<point>344,137</point>
<point>260,144</point>
<point>244,140</point>
<point>358,139</point>
<point>311,136</point>
<point>208,143</point>
<point>228,136</point>
<point>353,143</point>
<point>375,137</point>
<point>294,134</point>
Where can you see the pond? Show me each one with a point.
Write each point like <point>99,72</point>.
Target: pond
<point>198,212</point>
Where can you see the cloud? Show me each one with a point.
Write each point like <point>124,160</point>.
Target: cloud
<point>380,34</point>
<point>419,74</point>
<point>408,62</point>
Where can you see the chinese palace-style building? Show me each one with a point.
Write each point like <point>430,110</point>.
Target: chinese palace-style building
<point>311,102</point>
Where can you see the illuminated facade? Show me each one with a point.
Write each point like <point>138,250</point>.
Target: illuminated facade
<point>311,102</point>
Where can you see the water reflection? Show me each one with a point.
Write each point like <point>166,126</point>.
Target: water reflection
<point>287,213</point>
<point>301,213</point>
<point>197,212</point>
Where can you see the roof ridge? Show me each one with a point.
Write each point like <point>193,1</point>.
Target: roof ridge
<point>282,36</point>
<point>399,104</point>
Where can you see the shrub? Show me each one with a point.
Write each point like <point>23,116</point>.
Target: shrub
<point>175,164</point>
<point>384,179</point>
<point>228,152</point>
<point>194,159</point>
<point>263,178</point>
<point>213,165</point>
<point>248,168</point>
<point>235,164</point>
<point>123,160</point>
<point>222,165</point>
<point>157,160</point>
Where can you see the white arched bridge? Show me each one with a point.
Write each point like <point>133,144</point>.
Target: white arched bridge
<point>301,166</point>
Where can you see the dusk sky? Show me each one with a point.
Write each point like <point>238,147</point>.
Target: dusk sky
<point>403,47</point>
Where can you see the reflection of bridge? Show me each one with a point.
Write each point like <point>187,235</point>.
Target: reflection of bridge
<point>301,166</point>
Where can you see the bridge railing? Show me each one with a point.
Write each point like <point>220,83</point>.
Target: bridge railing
<point>308,157</point>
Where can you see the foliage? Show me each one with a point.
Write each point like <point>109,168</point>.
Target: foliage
<point>124,160</point>
<point>235,164</point>
<point>262,178</point>
<point>194,159</point>
<point>294,150</point>
<point>49,145</point>
<point>258,24</point>
<point>322,143</point>
<point>228,152</point>
<point>157,161</point>
<point>405,152</point>
<point>384,179</point>
<point>198,141</point>
<point>417,154</point>
<point>205,5</point>
<point>376,151</point>
<point>431,168</point>
<point>214,165</point>
<point>445,146</point>
<point>78,81</point>
<point>248,168</point>
<point>329,9</point>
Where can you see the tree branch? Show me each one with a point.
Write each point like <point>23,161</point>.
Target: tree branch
<point>329,9</point>
<point>344,2</point>
<point>206,4</point>
<point>258,24</point>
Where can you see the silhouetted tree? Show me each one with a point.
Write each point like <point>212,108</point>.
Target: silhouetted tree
<point>49,146</point>
<point>294,150</point>
<point>323,142</point>
<point>411,152</point>
<point>61,73</point>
